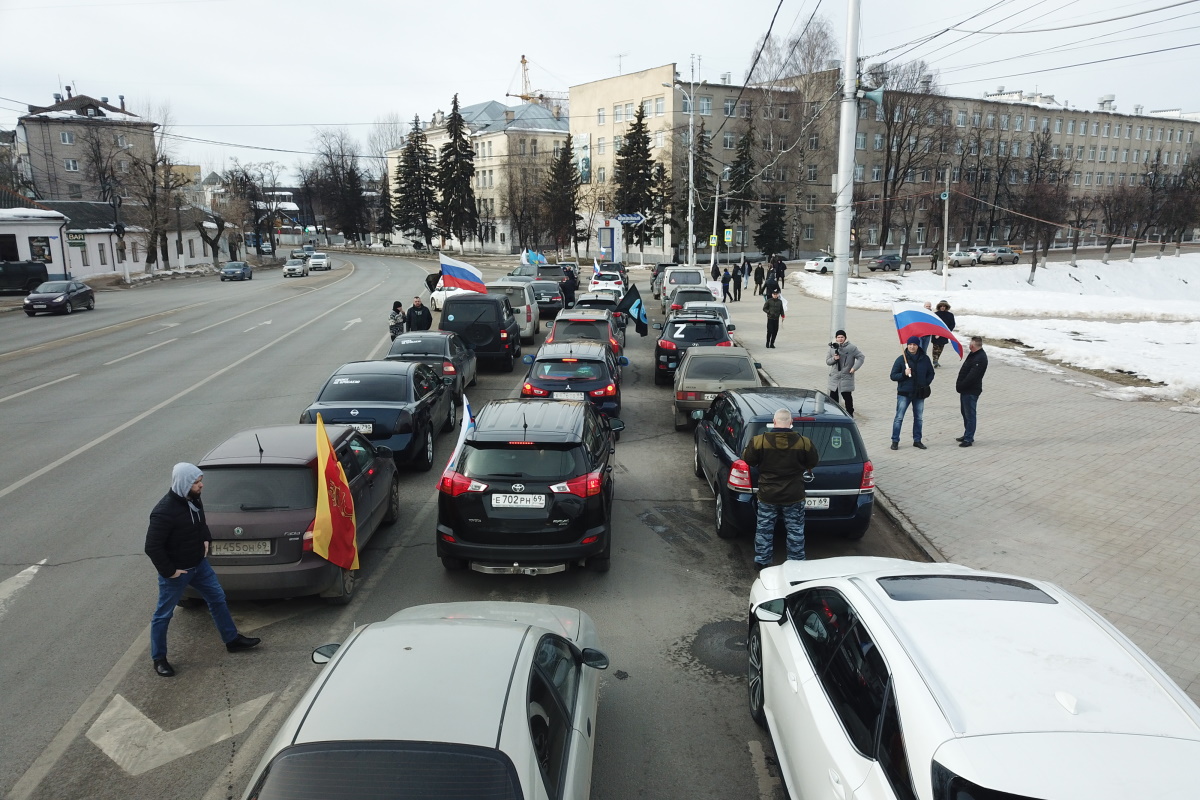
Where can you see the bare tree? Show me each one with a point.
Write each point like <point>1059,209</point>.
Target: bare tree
<point>213,240</point>
<point>521,198</point>
<point>1181,206</point>
<point>1044,197</point>
<point>1081,210</point>
<point>1151,195</point>
<point>1116,208</point>
<point>337,181</point>
<point>153,182</point>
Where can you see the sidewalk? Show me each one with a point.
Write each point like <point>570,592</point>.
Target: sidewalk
<point>1093,494</point>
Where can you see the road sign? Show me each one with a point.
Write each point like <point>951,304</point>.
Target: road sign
<point>728,235</point>
<point>712,240</point>
<point>631,219</point>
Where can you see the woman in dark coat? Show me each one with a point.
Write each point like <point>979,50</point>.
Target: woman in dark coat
<point>943,312</point>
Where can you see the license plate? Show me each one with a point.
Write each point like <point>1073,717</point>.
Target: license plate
<point>568,395</point>
<point>816,502</point>
<point>363,427</point>
<point>710,396</point>
<point>518,501</point>
<point>235,547</point>
<point>39,305</point>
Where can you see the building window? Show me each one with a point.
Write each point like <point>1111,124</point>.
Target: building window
<point>1019,122</point>
<point>862,110</point>
<point>1054,151</point>
<point>659,138</point>
<point>810,232</point>
<point>599,116</point>
<point>191,248</point>
<point>1139,132</point>
<point>1159,137</point>
<point>687,105</point>
<point>1095,129</point>
<point>1087,179</point>
<point>629,112</point>
<point>987,147</point>
<point>1003,148</point>
<point>75,191</point>
<point>991,120</point>
<point>601,206</point>
<point>781,174</point>
<point>619,113</point>
<point>858,173</point>
<point>1110,178</point>
<point>745,109</point>
<point>1124,155</point>
<point>727,140</point>
<point>489,149</point>
<point>1070,126</point>
<point>660,106</point>
<point>119,140</point>
<point>601,143</point>
<point>647,108</point>
<point>814,141</point>
<point>1103,154</point>
<point>67,137</point>
<point>521,147</point>
<point>1076,179</point>
<point>533,147</point>
<point>1107,127</point>
<point>729,106</point>
<point>812,172</point>
<point>877,142</point>
<point>100,251</point>
<point>601,175</point>
<point>1004,122</point>
<point>1078,152</point>
<point>860,141</point>
<point>956,175</point>
<point>961,119</point>
<point>557,148</point>
<point>618,143</point>
<point>71,165</point>
<point>1092,153</point>
<point>704,106</point>
<point>1058,125</point>
<point>976,119</point>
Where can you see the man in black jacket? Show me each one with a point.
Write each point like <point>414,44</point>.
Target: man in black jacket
<point>782,457</point>
<point>913,373</point>
<point>177,541</point>
<point>969,386</point>
<point>418,317</point>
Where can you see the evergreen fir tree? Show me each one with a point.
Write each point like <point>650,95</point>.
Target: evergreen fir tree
<point>742,176</point>
<point>771,236</point>
<point>457,215</point>
<point>416,198</point>
<point>704,179</point>
<point>560,196</point>
<point>386,221</point>
<point>663,202</point>
<point>633,175</point>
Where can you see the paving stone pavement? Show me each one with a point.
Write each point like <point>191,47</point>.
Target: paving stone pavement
<point>1094,494</point>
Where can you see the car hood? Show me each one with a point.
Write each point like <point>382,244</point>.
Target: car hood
<point>562,620</point>
<point>44,296</point>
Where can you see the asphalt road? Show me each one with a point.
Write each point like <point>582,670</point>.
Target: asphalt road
<point>98,406</point>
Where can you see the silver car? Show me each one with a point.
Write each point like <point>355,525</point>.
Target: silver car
<point>475,699</point>
<point>295,267</point>
<point>704,373</point>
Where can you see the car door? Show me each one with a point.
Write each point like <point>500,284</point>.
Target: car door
<point>465,363</point>
<point>428,404</point>
<point>562,698</point>
<point>375,488</point>
<point>360,489</point>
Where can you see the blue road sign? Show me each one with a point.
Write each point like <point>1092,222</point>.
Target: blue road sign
<point>631,219</point>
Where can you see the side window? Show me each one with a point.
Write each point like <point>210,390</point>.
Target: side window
<point>549,725</point>
<point>349,463</point>
<point>720,415</point>
<point>820,619</point>
<point>891,752</point>
<point>557,663</point>
<point>362,452</point>
<point>733,429</point>
<point>421,382</point>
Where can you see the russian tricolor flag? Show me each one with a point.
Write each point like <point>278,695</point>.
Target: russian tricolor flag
<point>914,320</point>
<point>461,275</point>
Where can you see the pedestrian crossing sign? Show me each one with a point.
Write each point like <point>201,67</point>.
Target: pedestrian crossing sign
<point>728,235</point>
<point>712,240</point>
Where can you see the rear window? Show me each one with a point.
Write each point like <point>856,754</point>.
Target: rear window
<point>569,370</point>
<point>554,272</point>
<point>835,443</point>
<point>681,278</point>
<point>388,770</point>
<point>685,295</point>
<point>581,329</point>
<point>259,488</point>
<point>962,587</point>
<point>468,312</point>
<point>386,388</point>
<point>720,369</point>
<point>515,295</point>
<point>533,462</point>
<point>695,332</point>
<point>596,302</point>
<point>425,346</point>
<point>607,276</point>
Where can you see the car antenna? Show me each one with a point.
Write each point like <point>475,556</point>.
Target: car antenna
<point>260,448</point>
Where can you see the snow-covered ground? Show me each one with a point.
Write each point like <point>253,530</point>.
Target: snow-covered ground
<point>1141,318</point>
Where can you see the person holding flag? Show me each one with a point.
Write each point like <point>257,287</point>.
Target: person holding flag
<point>913,373</point>
<point>632,305</point>
<point>335,528</point>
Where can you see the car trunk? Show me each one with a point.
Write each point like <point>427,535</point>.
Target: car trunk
<point>373,419</point>
<point>258,514</point>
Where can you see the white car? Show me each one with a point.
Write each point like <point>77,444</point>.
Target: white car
<point>822,264</point>
<point>295,268</point>
<point>473,699</point>
<point>961,258</point>
<point>437,298</point>
<point>319,261</point>
<point>887,679</point>
<point>607,280</point>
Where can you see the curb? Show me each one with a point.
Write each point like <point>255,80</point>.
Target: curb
<point>898,518</point>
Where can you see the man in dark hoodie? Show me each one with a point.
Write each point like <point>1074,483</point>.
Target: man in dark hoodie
<point>969,386</point>
<point>782,457</point>
<point>913,373</point>
<point>773,308</point>
<point>177,541</point>
<point>418,317</point>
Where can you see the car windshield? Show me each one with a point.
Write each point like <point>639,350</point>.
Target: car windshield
<point>52,286</point>
<point>836,443</point>
<point>695,332</point>
<point>596,302</point>
<point>569,369</point>
<point>423,346</point>
<point>235,265</point>
<point>720,369</point>
<point>502,460</point>
<point>258,488</point>
<point>359,388</point>
<point>388,770</point>
<point>294,262</point>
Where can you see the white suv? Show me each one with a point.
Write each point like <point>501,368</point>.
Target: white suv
<point>318,261</point>
<point>881,678</point>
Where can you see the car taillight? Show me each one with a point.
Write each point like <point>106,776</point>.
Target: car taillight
<point>726,343</point>
<point>612,341</point>
<point>607,391</point>
<point>676,307</point>
<point>739,477</point>
<point>528,313</point>
<point>529,390</point>
<point>618,283</point>
<point>550,338</point>
<point>404,423</point>
<point>455,484</point>
<point>503,335</point>
<point>667,344</point>
<point>306,543</point>
<point>556,298</point>
<point>689,395</point>
<point>584,486</point>
<point>868,476</point>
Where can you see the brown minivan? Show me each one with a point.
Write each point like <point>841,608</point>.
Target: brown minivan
<point>260,499</point>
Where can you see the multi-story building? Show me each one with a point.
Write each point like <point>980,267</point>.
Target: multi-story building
<point>81,148</point>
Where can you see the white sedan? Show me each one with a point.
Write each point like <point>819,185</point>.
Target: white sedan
<point>822,264</point>
<point>437,298</point>
<point>607,280</point>
<point>295,267</point>
<point>442,700</point>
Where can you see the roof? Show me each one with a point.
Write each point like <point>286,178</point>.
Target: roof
<point>29,215</point>
<point>763,401</point>
<point>492,117</point>
<point>77,108</point>
<point>376,367</point>
<point>540,420</point>
<point>281,445</point>
<point>95,215</point>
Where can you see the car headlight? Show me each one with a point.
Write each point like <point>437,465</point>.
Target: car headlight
<point>60,298</point>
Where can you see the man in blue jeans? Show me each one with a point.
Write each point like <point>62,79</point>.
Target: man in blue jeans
<point>782,457</point>
<point>912,372</point>
<point>969,386</point>
<point>177,541</point>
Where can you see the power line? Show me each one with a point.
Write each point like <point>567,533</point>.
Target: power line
<point>1082,24</point>
<point>1080,64</point>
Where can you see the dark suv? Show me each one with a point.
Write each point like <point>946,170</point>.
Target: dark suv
<point>260,501</point>
<point>530,491</point>
<point>486,323</point>
<point>841,495</point>
<point>682,330</point>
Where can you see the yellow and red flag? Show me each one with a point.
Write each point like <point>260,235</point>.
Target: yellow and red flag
<point>335,525</point>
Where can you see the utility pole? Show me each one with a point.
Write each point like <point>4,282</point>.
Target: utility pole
<point>844,180</point>
<point>691,98</point>
<point>946,231</point>
<point>712,261</point>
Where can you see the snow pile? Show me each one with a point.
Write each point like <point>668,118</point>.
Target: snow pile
<point>19,214</point>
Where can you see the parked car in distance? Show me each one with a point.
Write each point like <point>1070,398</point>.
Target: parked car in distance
<point>59,297</point>
<point>260,501</point>
<point>671,277</point>
<point>961,258</point>
<point>22,276</point>
<point>237,271</point>
<point>374,722</point>
<point>606,280</point>
<point>397,404</point>
<point>299,252</point>
<point>295,268</point>
<point>905,679</point>
<point>524,304</point>
<point>1000,255</point>
<point>437,298</point>
<point>821,264</point>
<point>841,496</point>
<point>682,331</point>
<point>487,324</point>
<point>890,261</point>
<point>682,295</point>
<point>319,261</point>
<point>588,325</point>
<point>267,249</point>
<point>551,272</point>
<point>444,351</point>
<point>576,371</point>
<point>704,373</point>
<point>549,298</point>
<point>531,490</point>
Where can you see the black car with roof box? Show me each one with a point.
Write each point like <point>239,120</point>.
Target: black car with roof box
<point>486,323</point>
<point>684,329</point>
<point>442,350</point>
<point>576,371</point>
<point>531,490</point>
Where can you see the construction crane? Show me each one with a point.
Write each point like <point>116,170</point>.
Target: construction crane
<point>539,97</point>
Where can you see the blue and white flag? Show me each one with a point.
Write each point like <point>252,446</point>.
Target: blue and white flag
<point>464,430</point>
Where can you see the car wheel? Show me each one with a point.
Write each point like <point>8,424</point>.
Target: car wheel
<point>449,426</point>
<point>871,268</point>
<point>754,676</point>
<point>91,304</point>
<point>69,308</point>
<point>681,420</point>
<point>424,459</point>
<point>725,526</point>
<point>451,564</point>
<point>393,507</point>
<point>824,270</point>
<point>222,279</point>
<point>509,360</point>
<point>697,467</point>
<point>1016,259</point>
<point>344,583</point>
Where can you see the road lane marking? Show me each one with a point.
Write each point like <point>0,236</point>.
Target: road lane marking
<point>58,462</point>
<point>165,327</point>
<point>384,341</point>
<point>259,325</point>
<point>138,745</point>
<point>35,388</point>
<point>352,322</point>
<point>10,587</point>
<point>353,269</point>
<point>139,352</point>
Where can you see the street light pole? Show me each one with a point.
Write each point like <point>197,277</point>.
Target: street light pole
<point>844,185</point>
<point>691,98</point>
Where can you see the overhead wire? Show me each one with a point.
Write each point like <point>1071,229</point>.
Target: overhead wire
<point>1082,24</point>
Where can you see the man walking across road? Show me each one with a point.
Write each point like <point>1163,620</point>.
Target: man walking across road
<point>969,386</point>
<point>759,275</point>
<point>913,373</point>
<point>782,457</point>
<point>773,308</point>
<point>844,360</point>
<point>177,541</point>
<point>726,279</point>
<point>418,317</point>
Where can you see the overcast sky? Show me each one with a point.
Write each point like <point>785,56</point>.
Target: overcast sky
<point>262,72</point>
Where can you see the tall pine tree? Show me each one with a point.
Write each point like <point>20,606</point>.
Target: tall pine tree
<point>705,181</point>
<point>633,175</point>
<point>771,236</point>
<point>560,196</point>
<point>457,215</point>
<point>663,202</point>
<point>416,186</point>
<point>742,176</point>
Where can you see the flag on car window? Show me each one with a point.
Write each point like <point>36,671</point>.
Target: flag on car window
<point>913,320</point>
<point>632,305</point>
<point>335,525</point>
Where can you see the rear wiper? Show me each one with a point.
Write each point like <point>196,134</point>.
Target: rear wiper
<point>245,507</point>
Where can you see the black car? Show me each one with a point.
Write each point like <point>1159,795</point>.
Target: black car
<point>549,298</point>
<point>605,300</point>
<point>441,350</point>
<point>576,371</point>
<point>689,294</point>
<point>531,490</point>
<point>587,325</point>
<point>890,261</point>
<point>682,330</point>
<point>300,252</point>
<point>396,404</point>
<point>486,323</point>
<point>59,297</point>
<point>22,276</point>
<point>550,272</point>
<point>841,495</point>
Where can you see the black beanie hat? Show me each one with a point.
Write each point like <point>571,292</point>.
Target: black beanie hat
<point>839,333</point>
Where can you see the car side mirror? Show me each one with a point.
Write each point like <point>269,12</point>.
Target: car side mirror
<point>591,657</point>
<point>448,381</point>
<point>383,451</point>
<point>528,359</point>
<point>549,324</point>
<point>657,326</point>
<point>758,365</point>
<point>623,361</point>
<point>698,414</point>
<point>615,425</point>
<point>771,611</point>
<point>731,327</point>
<point>325,652</point>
